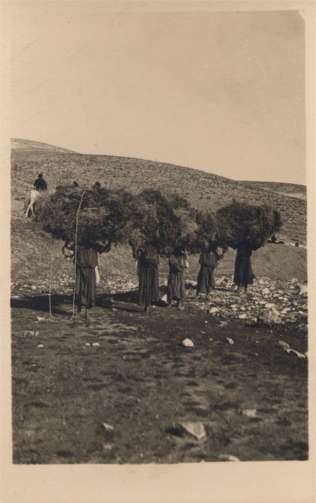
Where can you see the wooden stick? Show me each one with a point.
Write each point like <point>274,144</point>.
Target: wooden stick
<point>76,250</point>
<point>50,289</point>
<point>50,285</point>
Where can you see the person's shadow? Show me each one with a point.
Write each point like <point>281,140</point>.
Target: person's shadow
<point>62,303</point>
<point>59,303</point>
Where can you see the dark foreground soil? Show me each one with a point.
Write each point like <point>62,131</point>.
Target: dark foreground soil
<point>130,370</point>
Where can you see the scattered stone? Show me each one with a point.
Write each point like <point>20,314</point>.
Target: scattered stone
<point>187,343</point>
<point>303,289</point>
<point>196,429</point>
<point>213,310</point>
<point>223,324</point>
<point>107,429</point>
<point>40,318</point>
<point>252,322</point>
<point>40,346</point>
<point>250,412</point>
<point>229,340</point>
<point>87,344</point>
<point>190,284</point>
<point>34,333</point>
<point>269,315</point>
<point>95,344</point>
<point>228,457</point>
<point>243,316</point>
<point>108,447</point>
<point>287,348</point>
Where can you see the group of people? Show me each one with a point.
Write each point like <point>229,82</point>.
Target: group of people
<point>87,273</point>
<point>147,256</point>
<point>148,263</point>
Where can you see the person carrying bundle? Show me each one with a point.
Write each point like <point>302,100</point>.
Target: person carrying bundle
<point>208,262</point>
<point>87,272</point>
<point>148,275</point>
<point>176,288</point>
<point>243,275</point>
<point>87,278</point>
<point>87,275</point>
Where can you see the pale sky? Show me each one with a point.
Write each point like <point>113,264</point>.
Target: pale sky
<point>222,92</point>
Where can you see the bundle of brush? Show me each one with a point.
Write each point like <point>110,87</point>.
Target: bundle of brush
<point>204,232</point>
<point>238,221</point>
<point>166,221</point>
<point>102,217</point>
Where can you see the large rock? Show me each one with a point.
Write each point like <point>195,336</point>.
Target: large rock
<point>213,310</point>
<point>187,343</point>
<point>266,292</point>
<point>303,289</point>
<point>195,429</point>
<point>108,430</point>
<point>228,457</point>
<point>269,315</point>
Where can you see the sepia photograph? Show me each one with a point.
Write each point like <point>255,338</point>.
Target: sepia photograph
<point>159,286</point>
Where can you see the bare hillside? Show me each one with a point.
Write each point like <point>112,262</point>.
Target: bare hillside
<point>288,189</point>
<point>23,145</point>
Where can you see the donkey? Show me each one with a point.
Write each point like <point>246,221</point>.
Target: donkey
<point>35,195</point>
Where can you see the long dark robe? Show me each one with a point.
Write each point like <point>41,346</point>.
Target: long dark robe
<point>176,289</point>
<point>206,277</point>
<point>243,275</point>
<point>148,275</point>
<point>87,260</point>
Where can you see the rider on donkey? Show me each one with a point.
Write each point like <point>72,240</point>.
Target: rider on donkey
<point>40,186</point>
<point>40,183</point>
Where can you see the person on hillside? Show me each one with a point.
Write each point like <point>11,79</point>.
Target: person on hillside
<point>176,288</point>
<point>40,183</point>
<point>96,186</point>
<point>243,275</point>
<point>148,275</point>
<point>39,187</point>
<point>208,262</point>
<point>87,278</point>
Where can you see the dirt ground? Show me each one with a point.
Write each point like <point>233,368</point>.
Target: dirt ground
<point>129,369</point>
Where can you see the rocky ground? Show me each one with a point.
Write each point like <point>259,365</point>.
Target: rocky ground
<point>223,380</point>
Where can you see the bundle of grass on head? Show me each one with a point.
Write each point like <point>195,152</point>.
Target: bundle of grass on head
<point>89,215</point>
<point>239,221</point>
<point>166,221</point>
